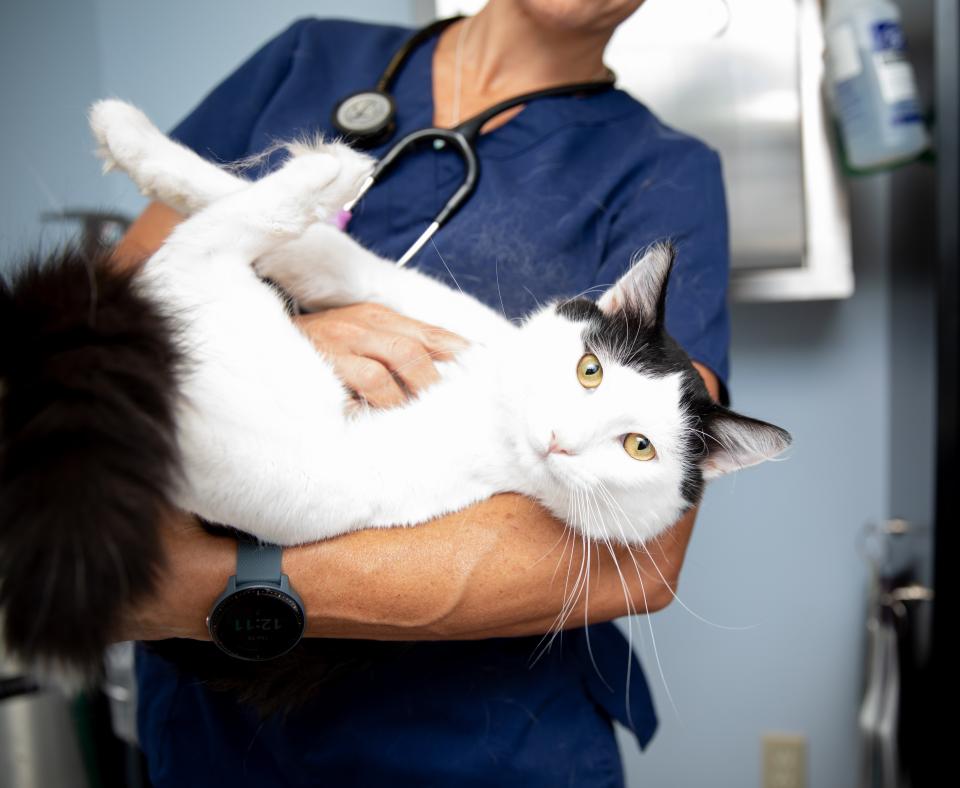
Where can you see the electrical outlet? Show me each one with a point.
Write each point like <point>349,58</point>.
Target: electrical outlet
<point>784,760</point>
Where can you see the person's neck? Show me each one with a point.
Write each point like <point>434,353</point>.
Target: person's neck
<point>504,52</point>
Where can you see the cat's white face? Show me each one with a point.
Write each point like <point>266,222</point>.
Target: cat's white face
<point>615,426</point>
<point>597,435</point>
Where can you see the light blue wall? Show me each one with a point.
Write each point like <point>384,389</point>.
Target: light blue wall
<point>49,63</point>
<point>56,58</point>
<point>774,548</point>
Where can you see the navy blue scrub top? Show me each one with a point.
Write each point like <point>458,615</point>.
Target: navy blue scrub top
<point>570,189</point>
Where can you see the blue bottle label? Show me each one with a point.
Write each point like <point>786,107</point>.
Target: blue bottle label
<point>888,37</point>
<point>894,73</point>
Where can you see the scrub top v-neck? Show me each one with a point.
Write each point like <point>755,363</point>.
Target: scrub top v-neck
<point>570,189</point>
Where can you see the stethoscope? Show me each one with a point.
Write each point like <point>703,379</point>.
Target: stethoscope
<point>368,119</point>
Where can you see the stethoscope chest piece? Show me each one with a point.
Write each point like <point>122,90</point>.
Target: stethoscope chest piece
<point>366,119</point>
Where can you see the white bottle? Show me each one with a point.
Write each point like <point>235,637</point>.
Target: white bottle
<point>872,85</point>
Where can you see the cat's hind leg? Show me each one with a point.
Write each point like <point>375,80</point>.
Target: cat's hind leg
<point>310,187</point>
<point>161,168</point>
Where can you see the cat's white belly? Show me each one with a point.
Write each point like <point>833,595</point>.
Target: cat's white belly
<point>266,446</point>
<point>260,410</point>
<point>441,452</point>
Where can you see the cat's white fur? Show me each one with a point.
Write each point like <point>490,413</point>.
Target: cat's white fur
<point>268,442</point>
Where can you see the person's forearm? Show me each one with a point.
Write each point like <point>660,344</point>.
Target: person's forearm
<point>146,235</point>
<point>499,568</point>
<point>502,567</point>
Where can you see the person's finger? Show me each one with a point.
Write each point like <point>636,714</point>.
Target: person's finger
<point>406,348</point>
<point>371,380</point>
<point>406,358</point>
<point>442,343</point>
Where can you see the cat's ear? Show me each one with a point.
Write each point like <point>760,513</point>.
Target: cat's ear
<point>733,442</point>
<point>642,290</point>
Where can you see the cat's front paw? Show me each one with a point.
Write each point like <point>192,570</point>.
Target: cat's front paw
<point>354,168</point>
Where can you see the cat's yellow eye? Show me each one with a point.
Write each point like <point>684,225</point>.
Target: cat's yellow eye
<point>639,446</point>
<point>589,371</point>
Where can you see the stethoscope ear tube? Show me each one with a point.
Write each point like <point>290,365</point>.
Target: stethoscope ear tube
<point>455,139</point>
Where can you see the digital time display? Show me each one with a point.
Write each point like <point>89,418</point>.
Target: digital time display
<point>257,623</point>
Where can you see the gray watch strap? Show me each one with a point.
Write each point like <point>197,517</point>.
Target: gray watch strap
<point>258,563</point>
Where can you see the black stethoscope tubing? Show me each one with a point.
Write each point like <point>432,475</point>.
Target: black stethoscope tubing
<point>461,137</point>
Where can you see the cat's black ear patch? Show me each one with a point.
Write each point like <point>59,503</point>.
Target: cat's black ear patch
<point>641,292</point>
<point>732,442</point>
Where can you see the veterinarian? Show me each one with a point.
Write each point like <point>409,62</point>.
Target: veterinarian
<point>570,188</point>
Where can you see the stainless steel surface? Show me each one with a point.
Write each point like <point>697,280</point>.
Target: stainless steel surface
<point>38,744</point>
<point>747,77</point>
<point>732,81</point>
<point>120,687</point>
<point>38,739</point>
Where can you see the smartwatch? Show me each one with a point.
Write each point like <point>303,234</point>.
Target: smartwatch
<point>258,616</point>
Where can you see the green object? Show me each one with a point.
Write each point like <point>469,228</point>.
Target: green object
<point>927,156</point>
<point>83,723</point>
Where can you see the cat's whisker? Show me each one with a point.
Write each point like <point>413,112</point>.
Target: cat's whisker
<point>573,545</point>
<point>534,297</point>
<point>699,434</point>
<point>583,573</point>
<point>496,273</point>
<point>433,243</point>
<point>631,609</point>
<point>656,539</point>
<point>643,546</point>
<point>597,516</point>
<point>568,533</point>
<point>630,543</point>
<point>705,436</point>
<point>631,612</point>
<point>616,563</point>
<point>569,601</point>
<point>586,622</point>
<point>646,605</point>
<point>584,293</point>
<point>565,536</point>
<point>577,589</point>
<point>571,514</point>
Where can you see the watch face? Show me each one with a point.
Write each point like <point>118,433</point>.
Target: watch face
<point>257,623</point>
<point>364,113</point>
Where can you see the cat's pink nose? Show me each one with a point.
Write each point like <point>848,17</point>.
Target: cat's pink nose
<point>554,447</point>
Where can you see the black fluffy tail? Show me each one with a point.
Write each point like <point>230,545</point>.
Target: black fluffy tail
<point>88,375</point>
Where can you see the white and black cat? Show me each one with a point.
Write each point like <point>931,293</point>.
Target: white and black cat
<point>188,386</point>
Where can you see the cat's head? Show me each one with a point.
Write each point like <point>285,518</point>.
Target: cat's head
<point>619,428</point>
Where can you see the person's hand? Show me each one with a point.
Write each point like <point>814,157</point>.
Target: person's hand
<point>380,354</point>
